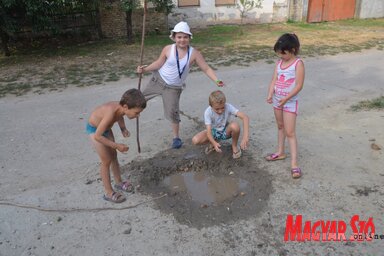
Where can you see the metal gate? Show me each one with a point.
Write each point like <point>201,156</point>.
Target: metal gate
<point>328,10</point>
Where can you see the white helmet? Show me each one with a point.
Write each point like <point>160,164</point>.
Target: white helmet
<point>182,27</point>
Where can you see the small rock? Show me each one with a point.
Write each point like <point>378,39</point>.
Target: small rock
<point>127,231</point>
<point>243,193</point>
<point>203,206</point>
<point>374,146</point>
<point>231,173</point>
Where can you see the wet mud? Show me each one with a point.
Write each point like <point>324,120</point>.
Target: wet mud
<point>203,190</point>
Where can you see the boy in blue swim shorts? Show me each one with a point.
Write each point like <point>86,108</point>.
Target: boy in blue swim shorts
<point>91,129</point>
<point>218,126</point>
<point>99,128</point>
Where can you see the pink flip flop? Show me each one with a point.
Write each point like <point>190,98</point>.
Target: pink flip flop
<point>275,157</point>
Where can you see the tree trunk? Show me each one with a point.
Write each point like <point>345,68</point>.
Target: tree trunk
<point>4,42</point>
<point>128,19</point>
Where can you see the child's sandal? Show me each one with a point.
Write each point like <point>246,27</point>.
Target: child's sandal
<point>116,197</point>
<point>237,154</point>
<point>296,173</point>
<point>125,186</point>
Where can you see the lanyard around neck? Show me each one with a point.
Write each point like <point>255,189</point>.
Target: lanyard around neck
<point>178,63</point>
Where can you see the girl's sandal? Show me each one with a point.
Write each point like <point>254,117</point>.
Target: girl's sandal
<point>296,173</point>
<point>275,157</point>
<point>116,197</point>
<point>125,186</point>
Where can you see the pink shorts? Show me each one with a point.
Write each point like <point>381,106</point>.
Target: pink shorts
<point>290,106</point>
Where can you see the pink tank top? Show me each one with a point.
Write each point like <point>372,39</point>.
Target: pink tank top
<point>286,80</point>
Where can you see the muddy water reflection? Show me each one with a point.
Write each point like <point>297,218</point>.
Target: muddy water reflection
<point>205,189</point>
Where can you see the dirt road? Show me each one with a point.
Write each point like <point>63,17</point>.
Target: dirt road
<point>47,161</point>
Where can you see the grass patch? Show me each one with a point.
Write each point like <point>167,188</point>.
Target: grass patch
<point>92,63</point>
<point>361,22</point>
<point>377,103</point>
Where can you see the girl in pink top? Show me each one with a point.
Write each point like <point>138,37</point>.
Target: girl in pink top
<point>287,82</point>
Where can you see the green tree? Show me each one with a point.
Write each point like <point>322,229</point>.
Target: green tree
<point>164,6</point>
<point>18,15</point>
<point>35,15</point>
<point>244,6</point>
<point>129,6</point>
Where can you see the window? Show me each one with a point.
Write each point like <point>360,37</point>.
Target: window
<point>182,3</point>
<point>225,2</point>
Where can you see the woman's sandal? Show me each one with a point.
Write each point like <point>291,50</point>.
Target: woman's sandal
<point>275,157</point>
<point>116,197</point>
<point>125,186</point>
<point>237,154</point>
<point>296,172</point>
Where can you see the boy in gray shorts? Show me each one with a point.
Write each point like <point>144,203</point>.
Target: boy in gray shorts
<point>170,71</point>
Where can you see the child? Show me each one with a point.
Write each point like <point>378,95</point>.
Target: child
<point>170,71</point>
<point>99,128</point>
<point>283,91</point>
<point>216,118</point>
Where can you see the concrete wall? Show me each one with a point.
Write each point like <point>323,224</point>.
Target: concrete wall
<point>112,17</point>
<point>298,10</point>
<point>208,14</point>
<point>371,9</point>
<point>272,11</point>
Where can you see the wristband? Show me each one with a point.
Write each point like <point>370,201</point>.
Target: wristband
<point>219,82</point>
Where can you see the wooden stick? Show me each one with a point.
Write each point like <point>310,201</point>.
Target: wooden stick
<point>141,75</point>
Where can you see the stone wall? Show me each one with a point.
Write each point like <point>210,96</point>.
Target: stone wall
<point>113,20</point>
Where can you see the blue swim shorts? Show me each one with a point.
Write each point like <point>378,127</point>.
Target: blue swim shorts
<point>91,129</point>
<point>220,135</point>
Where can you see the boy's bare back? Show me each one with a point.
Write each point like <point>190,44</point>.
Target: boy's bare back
<point>108,113</point>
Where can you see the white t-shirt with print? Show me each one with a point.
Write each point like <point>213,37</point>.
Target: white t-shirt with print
<point>219,121</point>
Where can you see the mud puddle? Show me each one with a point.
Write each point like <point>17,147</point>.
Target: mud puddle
<point>203,190</point>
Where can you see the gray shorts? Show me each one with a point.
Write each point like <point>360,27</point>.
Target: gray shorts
<point>171,96</point>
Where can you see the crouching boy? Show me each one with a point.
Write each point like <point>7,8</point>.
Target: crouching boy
<point>216,118</point>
